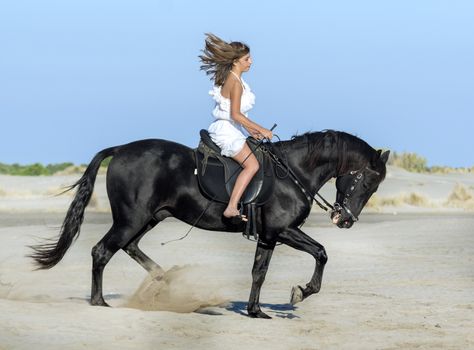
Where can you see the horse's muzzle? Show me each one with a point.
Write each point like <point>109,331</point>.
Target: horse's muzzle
<point>341,218</point>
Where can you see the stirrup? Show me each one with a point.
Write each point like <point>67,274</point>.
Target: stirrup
<point>251,227</point>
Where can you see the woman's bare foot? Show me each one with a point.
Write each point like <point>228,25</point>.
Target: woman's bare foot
<point>233,212</point>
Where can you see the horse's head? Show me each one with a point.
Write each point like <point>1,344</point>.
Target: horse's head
<point>355,188</point>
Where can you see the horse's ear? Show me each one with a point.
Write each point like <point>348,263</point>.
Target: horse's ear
<point>384,156</point>
<point>375,157</point>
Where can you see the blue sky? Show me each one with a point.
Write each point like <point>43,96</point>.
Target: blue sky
<point>79,76</point>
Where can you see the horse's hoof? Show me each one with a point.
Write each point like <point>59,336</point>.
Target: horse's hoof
<point>259,314</point>
<point>100,302</point>
<point>296,295</point>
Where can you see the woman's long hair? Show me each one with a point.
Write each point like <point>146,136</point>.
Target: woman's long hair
<point>219,56</point>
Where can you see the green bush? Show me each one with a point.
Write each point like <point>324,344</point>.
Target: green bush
<point>105,163</point>
<point>37,169</point>
<point>32,169</point>
<point>54,168</point>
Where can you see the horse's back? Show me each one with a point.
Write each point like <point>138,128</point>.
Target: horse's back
<point>150,147</point>
<point>148,171</point>
<point>149,152</point>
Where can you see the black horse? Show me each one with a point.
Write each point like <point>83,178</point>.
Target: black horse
<point>150,180</point>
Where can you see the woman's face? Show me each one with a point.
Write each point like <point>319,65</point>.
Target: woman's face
<point>244,62</point>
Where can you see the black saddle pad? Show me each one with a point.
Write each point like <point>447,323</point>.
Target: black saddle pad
<point>217,174</point>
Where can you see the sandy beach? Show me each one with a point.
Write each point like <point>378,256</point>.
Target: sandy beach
<point>401,278</point>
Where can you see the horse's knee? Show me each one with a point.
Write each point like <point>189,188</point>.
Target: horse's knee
<point>321,256</point>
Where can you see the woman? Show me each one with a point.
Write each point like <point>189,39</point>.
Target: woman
<point>226,62</point>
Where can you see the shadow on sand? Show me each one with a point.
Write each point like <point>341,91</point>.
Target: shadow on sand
<point>278,310</point>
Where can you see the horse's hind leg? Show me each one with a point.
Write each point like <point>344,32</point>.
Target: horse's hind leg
<point>115,239</point>
<point>135,252</point>
<point>144,260</point>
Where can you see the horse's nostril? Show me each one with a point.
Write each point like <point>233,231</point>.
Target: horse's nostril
<point>348,224</point>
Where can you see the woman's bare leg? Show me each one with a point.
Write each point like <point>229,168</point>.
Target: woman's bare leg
<point>250,167</point>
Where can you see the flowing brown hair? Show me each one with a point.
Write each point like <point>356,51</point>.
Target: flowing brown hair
<point>219,56</point>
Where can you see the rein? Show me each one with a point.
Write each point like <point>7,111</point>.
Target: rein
<point>296,180</point>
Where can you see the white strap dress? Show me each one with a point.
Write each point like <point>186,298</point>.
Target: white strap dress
<point>224,131</point>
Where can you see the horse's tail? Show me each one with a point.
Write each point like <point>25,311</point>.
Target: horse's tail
<point>48,254</point>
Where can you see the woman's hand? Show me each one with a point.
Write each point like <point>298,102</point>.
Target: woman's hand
<point>260,133</point>
<point>265,133</point>
<point>254,133</point>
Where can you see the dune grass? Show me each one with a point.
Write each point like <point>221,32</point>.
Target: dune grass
<point>461,197</point>
<point>413,199</point>
<point>409,161</point>
<point>418,164</point>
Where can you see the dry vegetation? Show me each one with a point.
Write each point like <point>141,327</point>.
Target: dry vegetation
<point>461,197</point>
<point>418,164</point>
<point>413,199</point>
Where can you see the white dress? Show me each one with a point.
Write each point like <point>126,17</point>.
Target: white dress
<point>229,135</point>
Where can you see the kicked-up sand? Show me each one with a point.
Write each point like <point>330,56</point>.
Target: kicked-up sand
<point>401,281</point>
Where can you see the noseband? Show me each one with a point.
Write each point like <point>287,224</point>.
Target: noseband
<point>355,182</point>
<point>354,185</point>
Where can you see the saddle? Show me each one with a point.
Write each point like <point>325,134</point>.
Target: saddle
<point>217,175</point>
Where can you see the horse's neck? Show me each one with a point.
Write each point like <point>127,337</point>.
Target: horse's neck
<point>329,165</point>
<point>313,178</point>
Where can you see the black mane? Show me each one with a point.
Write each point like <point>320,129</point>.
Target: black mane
<point>328,144</point>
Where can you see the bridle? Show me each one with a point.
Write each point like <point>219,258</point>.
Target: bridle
<point>355,183</point>
<point>338,207</point>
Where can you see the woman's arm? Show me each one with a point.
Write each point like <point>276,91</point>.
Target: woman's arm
<point>253,128</point>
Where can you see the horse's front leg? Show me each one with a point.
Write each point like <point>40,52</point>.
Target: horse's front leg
<point>297,239</point>
<point>263,255</point>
